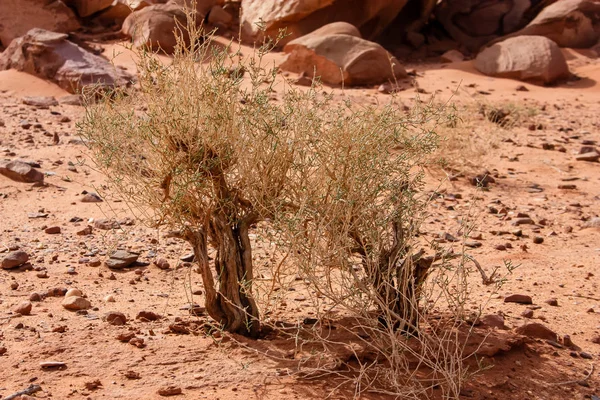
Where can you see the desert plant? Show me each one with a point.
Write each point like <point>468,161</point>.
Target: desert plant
<point>201,149</point>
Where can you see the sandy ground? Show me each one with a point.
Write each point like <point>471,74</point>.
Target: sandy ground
<point>528,181</point>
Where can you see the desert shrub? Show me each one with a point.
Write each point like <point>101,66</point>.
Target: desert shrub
<point>203,146</point>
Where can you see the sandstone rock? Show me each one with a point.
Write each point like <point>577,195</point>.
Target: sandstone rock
<point>74,292</point>
<point>121,9</point>
<point>341,58</point>
<point>51,56</point>
<point>169,391</point>
<point>115,318</point>
<point>146,316</point>
<point>42,102</point>
<point>526,58</point>
<point>125,336</point>
<point>35,296</point>
<point>518,298</point>
<point>155,27</point>
<point>56,292</point>
<point>52,364</point>
<point>85,8</point>
<point>569,23</point>
<point>537,331</point>
<point>452,56</point>
<point>592,156</point>
<point>552,302</point>
<point>219,17</point>
<point>91,198</point>
<point>162,263</point>
<point>300,17</point>
<point>493,321</point>
<point>52,230</point>
<point>19,16</point>
<point>474,23</point>
<point>76,303</point>
<point>14,259</point>
<point>121,259</point>
<point>20,171</point>
<point>23,308</point>
<point>106,224</point>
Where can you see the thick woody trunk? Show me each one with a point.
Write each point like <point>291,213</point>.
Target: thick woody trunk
<point>231,303</point>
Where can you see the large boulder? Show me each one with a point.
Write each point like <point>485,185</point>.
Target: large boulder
<point>17,17</point>
<point>85,8</point>
<point>51,56</point>
<point>337,54</point>
<point>299,17</point>
<point>569,23</point>
<point>121,9</point>
<point>474,23</point>
<point>527,58</point>
<point>158,26</point>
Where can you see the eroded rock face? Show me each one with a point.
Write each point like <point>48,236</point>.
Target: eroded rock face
<point>474,23</point>
<point>17,17</point>
<point>300,17</point>
<point>156,27</point>
<point>527,58</point>
<point>49,55</point>
<point>341,57</point>
<point>569,23</point>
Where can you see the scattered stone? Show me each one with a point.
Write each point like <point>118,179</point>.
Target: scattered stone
<point>538,240</point>
<point>473,244</point>
<point>518,298</point>
<point>71,100</point>
<point>3,350</point>
<point>161,263</point>
<point>452,56</point>
<point>147,316</point>
<point>94,262</point>
<point>76,303</point>
<point>125,336</point>
<point>592,156</point>
<point>121,259</point>
<point>527,314</point>
<point>93,385</point>
<point>137,342</point>
<point>169,391</point>
<point>14,259</point>
<point>14,285</point>
<point>59,329</point>
<point>132,375</point>
<point>91,198</point>
<point>43,102</point>
<point>523,221</point>
<point>21,172</point>
<point>73,292</point>
<point>483,180</point>
<point>109,299</point>
<point>24,308</point>
<point>53,230</point>
<point>106,224</point>
<point>56,292</point>
<point>35,296</point>
<point>568,186</point>
<point>585,355</point>
<point>538,331</point>
<point>88,230</point>
<point>552,302</point>
<point>592,223</point>
<point>115,318</point>
<point>52,364</point>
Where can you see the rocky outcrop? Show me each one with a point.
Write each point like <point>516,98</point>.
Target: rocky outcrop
<point>17,17</point>
<point>85,8</point>
<point>299,18</point>
<point>473,23</point>
<point>337,54</point>
<point>157,27</point>
<point>569,23</point>
<point>527,58</point>
<point>51,56</point>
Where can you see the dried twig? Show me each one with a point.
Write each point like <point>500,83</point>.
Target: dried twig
<point>30,390</point>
